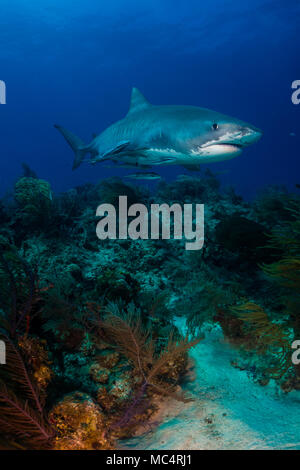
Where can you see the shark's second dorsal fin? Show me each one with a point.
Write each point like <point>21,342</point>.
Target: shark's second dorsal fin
<point>137,101</point>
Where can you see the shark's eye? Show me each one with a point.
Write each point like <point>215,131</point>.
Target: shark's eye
<point>215,126</point>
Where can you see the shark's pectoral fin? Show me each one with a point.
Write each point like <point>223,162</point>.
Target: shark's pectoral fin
<point>192,167</point>
<point>115,150</point>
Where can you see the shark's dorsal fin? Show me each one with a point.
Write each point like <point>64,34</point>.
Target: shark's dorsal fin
<point>137,101</point>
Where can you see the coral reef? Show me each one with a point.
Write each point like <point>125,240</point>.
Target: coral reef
<point>29,191</point>
<point>90,324</point>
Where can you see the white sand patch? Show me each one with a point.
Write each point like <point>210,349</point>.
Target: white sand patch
<point>229,410</point>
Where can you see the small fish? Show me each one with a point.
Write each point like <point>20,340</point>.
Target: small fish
<point>144,176</point>
<point>292,134</point>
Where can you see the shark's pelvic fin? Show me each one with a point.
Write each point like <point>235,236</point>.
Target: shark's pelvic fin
<point>137,101</point>
<point>76,143</point>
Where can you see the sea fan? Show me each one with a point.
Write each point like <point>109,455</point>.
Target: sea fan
<point>268,334</point>
<point>127,335</point>
<point>22,418</point>
<point>18,291</point>
<point>19,421</point>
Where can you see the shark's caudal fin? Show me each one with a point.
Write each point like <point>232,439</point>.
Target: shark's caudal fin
<point>76,143</point>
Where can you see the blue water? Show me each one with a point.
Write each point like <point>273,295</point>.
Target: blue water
<point>75,62</point>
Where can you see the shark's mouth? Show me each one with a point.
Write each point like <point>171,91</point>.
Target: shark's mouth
<point>215,148</point>
<point>239,146</point>
<point>224,144</point>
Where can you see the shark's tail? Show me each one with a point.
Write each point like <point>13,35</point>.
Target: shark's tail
<point>76,143</point>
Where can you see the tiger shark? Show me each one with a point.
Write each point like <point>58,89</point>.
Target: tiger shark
<point>152,135</point>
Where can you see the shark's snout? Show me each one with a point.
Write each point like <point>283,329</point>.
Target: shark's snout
<point>231,138</point>
<point>226,141</point>
<point>250,136</point>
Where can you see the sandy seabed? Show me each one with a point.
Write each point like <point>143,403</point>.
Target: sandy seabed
<point>229,410</point>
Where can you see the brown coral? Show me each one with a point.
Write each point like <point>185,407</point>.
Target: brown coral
<point>109,360</point>
<point>34,350</point>
<point>98,373</point>
<point>80,424</point>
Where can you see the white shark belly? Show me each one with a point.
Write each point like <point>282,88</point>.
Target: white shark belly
<point>161,156</point>
<point>169,156</point>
